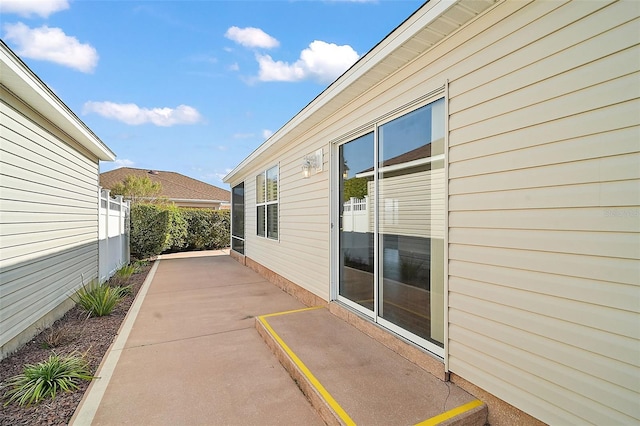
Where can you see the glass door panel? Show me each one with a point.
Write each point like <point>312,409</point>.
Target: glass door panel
<point>356,224</point>
<point>410,206</point>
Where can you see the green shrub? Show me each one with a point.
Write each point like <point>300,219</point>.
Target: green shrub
<point>176,238</point>
<point>207,229</point>
<point>149,228</point>
<point>158,229</point>
<point>46,379</point>
<point>98,300</point>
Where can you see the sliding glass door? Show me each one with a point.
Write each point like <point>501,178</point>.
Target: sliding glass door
<point>392,219</point>
<point>356,236</point>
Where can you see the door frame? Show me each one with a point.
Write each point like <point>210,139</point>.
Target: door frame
<point>439,93</point>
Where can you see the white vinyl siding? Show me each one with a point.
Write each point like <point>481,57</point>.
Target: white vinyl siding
<point>48,221</point>
<point>545,211</point>
<point>302,253</point>
<point>543,206</point>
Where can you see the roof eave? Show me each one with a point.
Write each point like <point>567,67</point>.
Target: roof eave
<point>16,76</point>
<point>381,53</point>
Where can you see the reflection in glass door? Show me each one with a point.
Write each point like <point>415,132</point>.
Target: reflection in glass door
<point>356,237</point>
<point>410,203</point>
<point>392,224</point>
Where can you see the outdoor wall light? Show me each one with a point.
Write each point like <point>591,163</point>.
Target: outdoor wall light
<point>312,163</point>
<point>345,171</point>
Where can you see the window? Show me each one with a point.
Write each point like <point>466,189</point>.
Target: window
<point>267,203</point>
<point>237,218</point>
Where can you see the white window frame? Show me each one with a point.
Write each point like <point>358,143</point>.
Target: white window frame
<point>266,203</point>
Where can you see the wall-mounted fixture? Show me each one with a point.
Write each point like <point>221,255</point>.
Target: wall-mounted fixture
<point>312,163</point>
<point>345,171</point>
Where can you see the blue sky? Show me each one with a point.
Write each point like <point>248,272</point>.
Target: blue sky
<point>192,86</point>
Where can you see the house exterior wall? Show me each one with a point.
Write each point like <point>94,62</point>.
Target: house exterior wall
<point>543,203</point>
<point>544,223</point>
<point>49,215</point>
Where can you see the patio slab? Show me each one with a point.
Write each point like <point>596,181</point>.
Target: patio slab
<point>188,353</point>
<point>359,380</point>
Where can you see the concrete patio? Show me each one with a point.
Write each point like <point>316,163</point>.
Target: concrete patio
<point>205,343</point>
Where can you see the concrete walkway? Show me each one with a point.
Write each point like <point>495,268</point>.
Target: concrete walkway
<point>190,352</point>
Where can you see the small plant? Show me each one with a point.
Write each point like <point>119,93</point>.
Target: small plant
<point>139,265</point>
<point>122,275</point>
<point>98,299</point>
<point>122,290</point>
<point>56,336</point>
<point>126,271</point>
<point>46,379</point>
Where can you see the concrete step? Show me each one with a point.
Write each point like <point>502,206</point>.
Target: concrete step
<point>350,378</point>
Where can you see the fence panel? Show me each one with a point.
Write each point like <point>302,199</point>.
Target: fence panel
<point>113,230</point>
<point>355,217</point>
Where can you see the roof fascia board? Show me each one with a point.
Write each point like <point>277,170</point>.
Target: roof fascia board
<point>422,18</point>
<point>16,76</point>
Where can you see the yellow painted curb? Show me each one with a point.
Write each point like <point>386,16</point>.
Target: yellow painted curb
<point>451,413</point>
<point>303,368</point>
<point>327,396</point>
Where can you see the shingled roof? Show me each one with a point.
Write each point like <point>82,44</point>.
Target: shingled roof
<point>174,185</point>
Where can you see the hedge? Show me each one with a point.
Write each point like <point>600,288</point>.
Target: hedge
<point>156,229</point>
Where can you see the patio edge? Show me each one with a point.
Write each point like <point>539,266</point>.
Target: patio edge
<point>86,410</point>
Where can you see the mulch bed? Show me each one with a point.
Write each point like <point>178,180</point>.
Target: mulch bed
<point>90,336</point>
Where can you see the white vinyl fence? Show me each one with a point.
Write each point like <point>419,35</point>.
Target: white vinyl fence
<point>355,216</point>
<point>113,230</point>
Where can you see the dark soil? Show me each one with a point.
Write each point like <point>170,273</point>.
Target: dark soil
<point>75,332</point>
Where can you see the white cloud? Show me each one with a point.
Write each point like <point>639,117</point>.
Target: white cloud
<point>221,176</point>
<point>213,176</point>
<point>133,114</point>
<point>266,134</point>
<point>123,163</point>
<point>234,67</point>
<point>28,8</point>
<point>52,44</point>
<point>321,61</point>
<point>251,37</point>
<point>242,135</point>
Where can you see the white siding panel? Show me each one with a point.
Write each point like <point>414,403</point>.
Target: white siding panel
<point>596,122</point>
<point>544,237</point>
<point>38,140</point>
<point>620,245</point>
<point>624,297</point>
<point>568,150</point>
<point>624,271</point>
<point>611,219</point>
<point>608,93</point>
<point>48,220</point>
<point>576,410</point>
<point>601,366</point>
<point>544,202</point>
<point>604,169</point>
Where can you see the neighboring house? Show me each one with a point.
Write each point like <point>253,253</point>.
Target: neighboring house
<point>180,189</point>
<point>49,201</point>
<point>509,250</point>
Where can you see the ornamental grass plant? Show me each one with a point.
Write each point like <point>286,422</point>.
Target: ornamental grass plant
<point>46,379</point>
<point>99,299</point>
